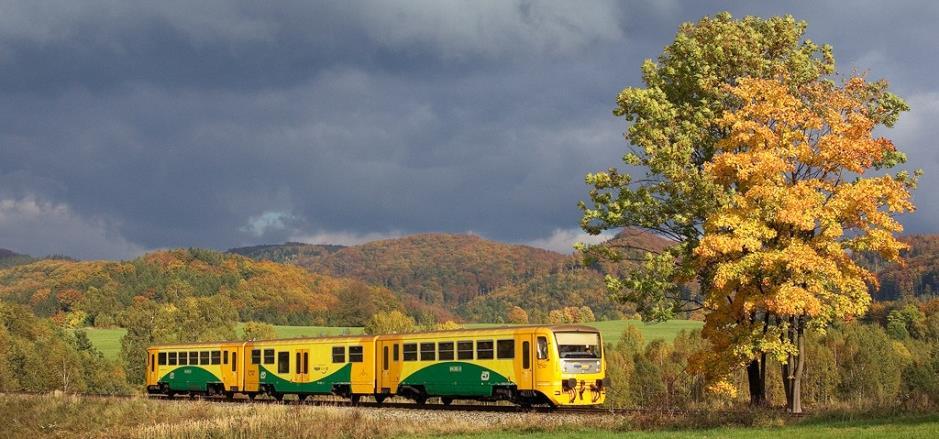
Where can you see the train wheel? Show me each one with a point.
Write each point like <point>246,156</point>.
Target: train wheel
<point>278,396</point>
<point>251,396</point>
<point>421,400</point>
<point>229,396</point>
<point>302,397</point>
<point>379,398</point>
<point>355,399</point>
<point>446,401</point>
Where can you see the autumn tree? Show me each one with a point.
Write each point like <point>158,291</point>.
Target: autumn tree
<point>258,331</point>
<point>392,322</point>
<point>516,315</point>
<point>675,128</point>
<point>797,202</point>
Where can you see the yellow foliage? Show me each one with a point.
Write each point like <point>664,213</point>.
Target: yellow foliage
<point>798,204</point>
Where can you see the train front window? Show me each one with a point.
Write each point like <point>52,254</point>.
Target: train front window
<point>578,344</point>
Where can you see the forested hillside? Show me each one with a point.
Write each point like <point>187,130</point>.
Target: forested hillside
<point>478,279</point>
<point>98,293</point>
<point>917,277</point>
<point>286,252</point>
<point>438,269</point>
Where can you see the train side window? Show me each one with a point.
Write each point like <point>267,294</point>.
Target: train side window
<point>355,354</point>
<point>193,358</point>
<point>268,356</point>
<point>299,366</point>
<point>484,350</point>
<point>204,357</point>
<point>410,352</point>
<point>183,358</point>
<point>283,362</point>
<point>395,356</point>
<point>339,354</point>
<point>384,358</point>
<point>505,349</point>
<point>306,362</point>
<point>464,350</point>
<point>542,348</point>
<point>152,363</point>
<point>216,357</point>
<point>255,356</point>
<point>234,361</point>
<point>224,357</point>
<point>526,355</point>
<point>161,358</point>
<point>445,350</point>
<point>428,353</point>
<point>172,359</point>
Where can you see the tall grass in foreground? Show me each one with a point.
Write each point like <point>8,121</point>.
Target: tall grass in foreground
<point>74,416</point>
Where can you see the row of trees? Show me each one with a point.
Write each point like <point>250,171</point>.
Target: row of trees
<point>855,365</point>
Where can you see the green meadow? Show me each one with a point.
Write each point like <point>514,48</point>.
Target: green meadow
<point>108,341</point>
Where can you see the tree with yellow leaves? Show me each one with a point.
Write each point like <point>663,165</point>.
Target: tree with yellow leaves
<point>798,200</point>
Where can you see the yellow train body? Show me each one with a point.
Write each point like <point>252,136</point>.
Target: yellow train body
<point>558,365</point>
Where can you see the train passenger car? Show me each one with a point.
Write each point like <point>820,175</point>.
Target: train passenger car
<point>558,365</point>
<point>342,366</point>
<point>195,368</point>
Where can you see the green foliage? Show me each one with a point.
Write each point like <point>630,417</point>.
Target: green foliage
<point>35,355</point>
<point>905,322</point>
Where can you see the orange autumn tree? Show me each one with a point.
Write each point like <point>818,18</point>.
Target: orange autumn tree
<point>799,200</point>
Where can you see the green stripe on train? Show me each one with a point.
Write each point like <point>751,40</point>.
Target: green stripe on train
<point>456,378</point>
<point>189,378</point>
<point>318,385</point>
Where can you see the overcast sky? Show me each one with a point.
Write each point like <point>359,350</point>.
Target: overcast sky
<point>131,126</point>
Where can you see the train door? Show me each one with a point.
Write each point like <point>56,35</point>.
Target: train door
<point>525,375</point>
<point>229,369</point>
<point>252,368</point>
<point>302,372</point>
<point>543,373</point>
<point>390,363</point>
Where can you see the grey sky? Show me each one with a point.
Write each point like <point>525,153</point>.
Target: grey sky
<point>129,126</point>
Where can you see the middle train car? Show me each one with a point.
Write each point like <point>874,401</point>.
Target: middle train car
<point>557,365</point>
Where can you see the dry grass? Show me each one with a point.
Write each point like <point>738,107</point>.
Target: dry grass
<point>92,417</point>
<point>74,416</point>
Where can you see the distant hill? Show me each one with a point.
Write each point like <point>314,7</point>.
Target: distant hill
<point>9,258</point>
<point>917,277</point>
<point>474,278</point>
<point>438,269</point>
<point>98,292</point>
<point>286,252</point>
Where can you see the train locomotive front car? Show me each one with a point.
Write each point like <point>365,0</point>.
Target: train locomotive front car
<point>555,365</point>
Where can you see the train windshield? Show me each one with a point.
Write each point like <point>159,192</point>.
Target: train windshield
<point>578,344</point>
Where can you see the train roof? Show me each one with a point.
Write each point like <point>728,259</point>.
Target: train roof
<point>553,328</point>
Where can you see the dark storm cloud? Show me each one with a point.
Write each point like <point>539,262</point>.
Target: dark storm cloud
<point>157,124</point>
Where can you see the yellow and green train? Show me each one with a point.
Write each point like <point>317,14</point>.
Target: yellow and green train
<point>555,365</point>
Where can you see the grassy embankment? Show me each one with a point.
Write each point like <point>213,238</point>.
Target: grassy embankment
<point>108,341</point>
<point>74,416</point>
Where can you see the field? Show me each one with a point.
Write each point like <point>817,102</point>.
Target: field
<point>108,341</point>
<point>75,416</point>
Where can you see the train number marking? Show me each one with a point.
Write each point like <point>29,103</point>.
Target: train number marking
<point>484,376</point>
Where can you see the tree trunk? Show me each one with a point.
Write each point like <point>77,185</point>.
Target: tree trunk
<point>756,377</point>
<point>796,406</point>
